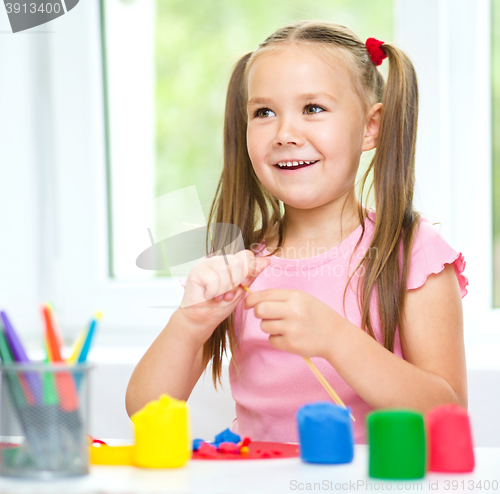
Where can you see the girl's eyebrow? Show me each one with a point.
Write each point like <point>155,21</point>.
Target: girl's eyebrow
<point>313,96</point>
<point>303,97</point>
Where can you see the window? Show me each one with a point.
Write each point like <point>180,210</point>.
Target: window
<point>174,99</point>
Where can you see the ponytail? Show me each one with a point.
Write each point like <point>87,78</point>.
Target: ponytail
<point>239,200</point>
<point>393,180</point>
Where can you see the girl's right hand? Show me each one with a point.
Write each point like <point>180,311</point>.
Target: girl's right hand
<point>211,293</point>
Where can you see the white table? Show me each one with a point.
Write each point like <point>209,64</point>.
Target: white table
<point>261,476</point>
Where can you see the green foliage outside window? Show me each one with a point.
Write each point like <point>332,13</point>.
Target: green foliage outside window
<point>495,91</point>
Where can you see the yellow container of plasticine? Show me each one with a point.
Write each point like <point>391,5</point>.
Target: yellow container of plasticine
<point>162,435</point>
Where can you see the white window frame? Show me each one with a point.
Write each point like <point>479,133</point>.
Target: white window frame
<point>78,278</point>
<point>449,44</point>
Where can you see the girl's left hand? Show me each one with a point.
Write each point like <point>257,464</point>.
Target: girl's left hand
<point>295,321</point>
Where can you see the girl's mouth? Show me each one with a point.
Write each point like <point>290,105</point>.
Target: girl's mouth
<point>294,165</point>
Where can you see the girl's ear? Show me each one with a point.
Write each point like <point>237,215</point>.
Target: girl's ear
<point>372,127</point>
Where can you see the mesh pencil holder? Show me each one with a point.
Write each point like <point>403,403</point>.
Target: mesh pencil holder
<point>44,420</point>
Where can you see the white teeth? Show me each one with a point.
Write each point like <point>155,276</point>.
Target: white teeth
<point>287,164</point>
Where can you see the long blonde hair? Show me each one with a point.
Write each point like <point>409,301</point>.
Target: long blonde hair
<point>241,199</point>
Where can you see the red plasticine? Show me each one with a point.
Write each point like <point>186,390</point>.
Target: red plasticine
<point>450,439</point>
<point>206,451</point>
<point>257,451</point>
<point>228,448</point>
<point>97,441</point>
<point>246,441</point>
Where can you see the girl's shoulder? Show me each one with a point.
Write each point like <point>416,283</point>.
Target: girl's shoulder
<point>430,254</point>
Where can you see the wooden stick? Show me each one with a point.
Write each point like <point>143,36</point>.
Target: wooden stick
<point>333,395</point>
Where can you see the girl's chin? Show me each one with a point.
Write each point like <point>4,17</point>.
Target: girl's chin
<point>309,203</point>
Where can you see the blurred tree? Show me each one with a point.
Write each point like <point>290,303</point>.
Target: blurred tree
<point>495,93</point>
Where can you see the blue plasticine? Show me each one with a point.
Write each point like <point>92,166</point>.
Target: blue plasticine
<point>325,433</point>
<point>226,436</point>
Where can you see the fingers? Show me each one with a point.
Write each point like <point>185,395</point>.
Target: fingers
<point>231,269</point>
<point>231,296</point>
<point>273,294</point>
<point>228,272</point>
<point>216,276</point>
<point>255,266</point>
<point>272,327</point>
<point>271,310</point>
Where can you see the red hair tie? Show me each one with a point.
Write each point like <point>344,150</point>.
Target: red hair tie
<point>376,53</point>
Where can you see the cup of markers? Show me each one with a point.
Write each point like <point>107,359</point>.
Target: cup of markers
<point>43,433</point>
<point>44,406</point>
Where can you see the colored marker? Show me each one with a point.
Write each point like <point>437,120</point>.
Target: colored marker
<point>6,356</point>
<point>82,358</point>
<point>51,336</point>
<point>68,395</point>
<point>88,340</point>
<point>55,328</point>
<point>20,355</point>
<point>67,392</point>
<point>77,347</point>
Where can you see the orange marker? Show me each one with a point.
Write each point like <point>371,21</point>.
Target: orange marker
<point>65,383</point>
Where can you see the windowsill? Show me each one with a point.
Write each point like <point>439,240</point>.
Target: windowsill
<point>478,357</point>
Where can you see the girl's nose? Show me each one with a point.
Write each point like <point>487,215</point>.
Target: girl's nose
<point>288,133</point>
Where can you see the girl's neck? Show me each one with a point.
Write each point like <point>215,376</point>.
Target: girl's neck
<point>311,232</point>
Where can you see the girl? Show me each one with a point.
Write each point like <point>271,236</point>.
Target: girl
<point>373,296</point>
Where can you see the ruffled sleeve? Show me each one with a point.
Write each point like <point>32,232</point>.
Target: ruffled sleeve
<point>430,255</point>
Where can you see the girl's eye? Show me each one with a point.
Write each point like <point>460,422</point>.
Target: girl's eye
<point>264,113</point>
<point>312,109</point>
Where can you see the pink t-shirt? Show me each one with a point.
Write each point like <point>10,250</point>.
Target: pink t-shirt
<point>270,385</point>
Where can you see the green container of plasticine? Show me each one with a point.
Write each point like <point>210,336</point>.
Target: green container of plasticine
<point>397,444</point>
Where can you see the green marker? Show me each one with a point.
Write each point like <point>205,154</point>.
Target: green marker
<point>6,356</point>
<point>49,393</point>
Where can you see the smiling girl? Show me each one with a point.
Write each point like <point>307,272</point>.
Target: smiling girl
<point>372,296</point>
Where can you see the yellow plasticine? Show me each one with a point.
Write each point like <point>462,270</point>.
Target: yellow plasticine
<point>111,455</point>
<point>162,437</point>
